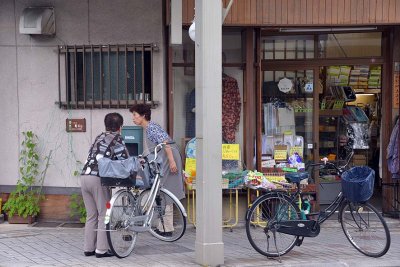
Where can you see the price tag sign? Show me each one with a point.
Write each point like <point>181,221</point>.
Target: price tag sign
<point>190,166</point>
<point>230,152</point>
<point>280,152</point>
<point>338,104</point>
<point>297,149</point>
<point>396,84</point>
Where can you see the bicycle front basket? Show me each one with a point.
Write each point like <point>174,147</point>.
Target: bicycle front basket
<point>358,183</point>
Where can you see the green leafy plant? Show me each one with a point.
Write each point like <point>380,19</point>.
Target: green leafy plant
<point>77,207</point>
<point>25,198</point>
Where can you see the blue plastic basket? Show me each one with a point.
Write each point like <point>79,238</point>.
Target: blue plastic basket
<point>358,183</point>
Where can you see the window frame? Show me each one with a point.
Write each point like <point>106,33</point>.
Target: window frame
<point>70,93</point>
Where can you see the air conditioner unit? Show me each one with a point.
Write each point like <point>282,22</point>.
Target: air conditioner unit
<point>37,20</point>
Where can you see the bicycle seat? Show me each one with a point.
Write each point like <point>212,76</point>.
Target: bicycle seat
<point>296,177</point>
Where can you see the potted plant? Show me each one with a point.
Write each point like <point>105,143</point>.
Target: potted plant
<point>23,202</point>
<point>77,207</point>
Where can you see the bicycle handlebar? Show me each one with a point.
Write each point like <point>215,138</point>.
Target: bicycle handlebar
<point>325,163</point>
<point>157,149</point>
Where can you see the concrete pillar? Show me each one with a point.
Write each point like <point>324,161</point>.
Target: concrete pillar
<point>208,46</point>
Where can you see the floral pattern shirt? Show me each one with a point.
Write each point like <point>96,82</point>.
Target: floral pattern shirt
<point>156,134</point>
<point>107,144</point>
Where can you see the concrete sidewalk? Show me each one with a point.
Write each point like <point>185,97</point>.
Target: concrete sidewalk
<point>22,245</point>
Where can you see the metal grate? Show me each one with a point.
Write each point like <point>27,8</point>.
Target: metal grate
<point>105,76</point>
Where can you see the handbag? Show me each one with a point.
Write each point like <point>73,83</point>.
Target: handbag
<point>117,172</point>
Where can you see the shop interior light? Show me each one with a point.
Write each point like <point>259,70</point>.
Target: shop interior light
<point>335,29</point>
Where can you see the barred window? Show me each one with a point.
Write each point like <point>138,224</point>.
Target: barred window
<point>105,76</point>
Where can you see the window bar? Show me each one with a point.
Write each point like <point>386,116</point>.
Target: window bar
<point>142,73</point>
<point>151,71</point>
<point>92,74</point>
<point>75,79</point>
<point>296,49</point>
<point>59,81</point>
<point>84,76</point>
<point>126,75</point>
<point>118,76</point>
<point>134,73</point>
<point>67,69</point>
<point>109,78</point>
<point>305,49</point>
<point>274,49</point>
<point>101,76</point>
<point>284,49</point>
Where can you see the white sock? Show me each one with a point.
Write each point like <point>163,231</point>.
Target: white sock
<point>98,251</point>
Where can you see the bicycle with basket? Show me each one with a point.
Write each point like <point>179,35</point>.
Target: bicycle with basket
<point>274,222</point>
<point>140,207</point>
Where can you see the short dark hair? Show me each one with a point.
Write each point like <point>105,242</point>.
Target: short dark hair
<point>142,109</point>
<point>113,121</point>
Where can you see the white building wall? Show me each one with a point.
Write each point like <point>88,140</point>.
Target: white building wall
<point>29,78</point>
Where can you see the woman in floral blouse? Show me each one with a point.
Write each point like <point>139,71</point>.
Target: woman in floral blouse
<point>171,166</point>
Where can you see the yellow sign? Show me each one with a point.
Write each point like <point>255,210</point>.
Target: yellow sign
<point>280,154</point>
<point>396,85</point>
<point>190,166</point>
<point>230,152</point>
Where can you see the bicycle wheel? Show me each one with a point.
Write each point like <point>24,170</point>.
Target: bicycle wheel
<point>168,222</point>
<point>262,224</point>
<point>120,238</point>
<point>365,228</point>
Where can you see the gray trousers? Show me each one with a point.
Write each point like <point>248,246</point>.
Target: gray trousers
<point>95,198</point>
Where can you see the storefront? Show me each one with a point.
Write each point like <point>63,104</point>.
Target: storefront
<point>300,91</point>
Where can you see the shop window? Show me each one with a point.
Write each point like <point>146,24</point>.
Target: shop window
<point>288,47</point>
<point>112,76</point>
<point>347,45</point>
<point>183,63</point>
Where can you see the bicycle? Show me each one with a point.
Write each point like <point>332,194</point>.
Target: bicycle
<point>276,215</point>
<point>132,210</point>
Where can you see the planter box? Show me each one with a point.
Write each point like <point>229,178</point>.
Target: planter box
<point>19,219</point>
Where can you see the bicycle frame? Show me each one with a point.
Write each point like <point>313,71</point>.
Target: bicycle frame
<point>142,222</point>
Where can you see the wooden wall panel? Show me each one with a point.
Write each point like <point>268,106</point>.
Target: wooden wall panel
<point>253,12</point>
<point>385,10</point>
<point>341,11</point>
<point>309,11</point>
<point>328,12</point>
<point>297,13</point>
<point>365,11</point>
<point>321,11</point>
<point>228,18</point>
<point>397,18</point>
<point>334,8</point>
<point>305,12</point>
<point>392,10</point>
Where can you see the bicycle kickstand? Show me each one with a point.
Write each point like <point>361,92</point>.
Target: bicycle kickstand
<point>276,247</point>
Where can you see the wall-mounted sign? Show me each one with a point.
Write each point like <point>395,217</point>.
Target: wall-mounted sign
<point>75,125</point>
<point>285,85</point>
<point>230,152</point>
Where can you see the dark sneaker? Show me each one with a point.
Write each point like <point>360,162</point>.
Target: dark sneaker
<point>164,234</point>
<point>89,253</point>
<point>104,255</point>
